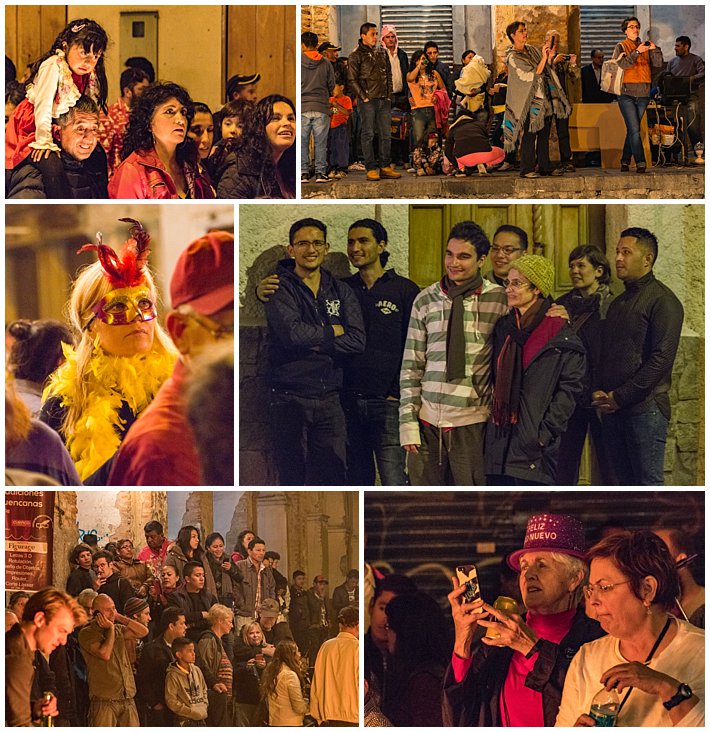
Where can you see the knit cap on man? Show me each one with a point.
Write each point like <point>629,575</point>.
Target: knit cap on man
<point>539,270</point>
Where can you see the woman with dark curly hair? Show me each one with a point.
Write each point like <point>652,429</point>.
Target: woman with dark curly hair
<point>159,159</point>
<point>261,163</point>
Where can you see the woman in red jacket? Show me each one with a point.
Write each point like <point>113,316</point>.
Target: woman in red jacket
<point>159,159</point>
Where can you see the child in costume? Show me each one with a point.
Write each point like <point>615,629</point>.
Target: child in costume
<point>122,358</point>
<point>73,67</point>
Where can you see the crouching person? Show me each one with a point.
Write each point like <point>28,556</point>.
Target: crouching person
<point>185,687</point>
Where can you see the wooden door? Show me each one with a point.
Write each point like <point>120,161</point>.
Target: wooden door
<point>30,31</point>
<point>554,230</point>
<point>262,38</point>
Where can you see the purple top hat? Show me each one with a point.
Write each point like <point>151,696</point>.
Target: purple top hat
<point>551,532</point>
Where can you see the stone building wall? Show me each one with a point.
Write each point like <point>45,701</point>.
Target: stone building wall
<point>317,19</point>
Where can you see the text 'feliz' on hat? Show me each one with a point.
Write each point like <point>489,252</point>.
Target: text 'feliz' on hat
<point>550,532</point>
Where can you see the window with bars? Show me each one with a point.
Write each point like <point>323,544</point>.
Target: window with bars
<point>600,27</point>
<point>417,24</point>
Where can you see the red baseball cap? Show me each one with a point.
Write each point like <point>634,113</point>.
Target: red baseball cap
<point>204,274</point>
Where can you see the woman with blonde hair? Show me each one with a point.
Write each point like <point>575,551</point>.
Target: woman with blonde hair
<point>282,686</point>
<point>122,358</point>
<point>249,664</point>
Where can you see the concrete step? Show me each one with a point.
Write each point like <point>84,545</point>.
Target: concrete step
<point>585,183</point>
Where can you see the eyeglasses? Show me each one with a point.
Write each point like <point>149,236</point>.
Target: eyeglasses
<point>216,330</point>
<point>318,244</point>
<point>505,250</point>
<point>603,588</point>
<point>516,284</point>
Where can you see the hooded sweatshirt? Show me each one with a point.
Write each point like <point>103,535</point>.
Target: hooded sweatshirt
<point>317,83</point>
<point>186,693</point>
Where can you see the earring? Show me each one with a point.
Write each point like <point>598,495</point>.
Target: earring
<point>648,608</point>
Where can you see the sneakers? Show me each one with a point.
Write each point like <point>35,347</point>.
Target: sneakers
<point>640,168</point>
<point>356,166</point>
<point>305,177</point>
<point>373,175</point>
<point>322,178</point>
<point>506,166</point>
<point>569,167</point>
<point>531,174</point>
<point>389,172</point>
<point>624,167</point>
<point>482,170</point>
<point>336,174</point>
<point>557,171</point>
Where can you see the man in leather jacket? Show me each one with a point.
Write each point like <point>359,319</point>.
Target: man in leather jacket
<point>370,78</point>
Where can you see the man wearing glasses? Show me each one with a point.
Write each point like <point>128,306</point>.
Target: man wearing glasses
<point>509,243</point>
<point>159,449</point>
<point>314,321</point>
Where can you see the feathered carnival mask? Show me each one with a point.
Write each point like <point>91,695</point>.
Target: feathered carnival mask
<point>131,298</point>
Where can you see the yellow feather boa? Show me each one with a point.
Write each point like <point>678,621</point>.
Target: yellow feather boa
<point>111,380</point>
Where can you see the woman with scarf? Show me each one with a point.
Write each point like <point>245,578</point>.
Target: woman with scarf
<point>534,96</point>
<point>539,368</point>
<point>514,676</point>
<point>586,303</point>
<point>122,358</point>
<point>639,62</point>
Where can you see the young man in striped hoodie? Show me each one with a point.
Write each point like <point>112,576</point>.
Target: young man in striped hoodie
<point>445,380</point>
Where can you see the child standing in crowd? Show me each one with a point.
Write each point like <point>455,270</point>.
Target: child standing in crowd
<point>341,107</point>
<point>73,67</point>
<point>185,687</point>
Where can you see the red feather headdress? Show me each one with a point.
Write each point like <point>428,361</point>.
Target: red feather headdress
<point>125,270</point>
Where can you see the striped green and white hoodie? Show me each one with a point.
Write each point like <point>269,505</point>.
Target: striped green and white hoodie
<point>425,393</point>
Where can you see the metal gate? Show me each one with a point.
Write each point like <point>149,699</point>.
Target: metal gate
<point>600,27</point>
<point>417,24</point>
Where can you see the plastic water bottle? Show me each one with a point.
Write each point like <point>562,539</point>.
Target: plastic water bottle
<point>605,707</point>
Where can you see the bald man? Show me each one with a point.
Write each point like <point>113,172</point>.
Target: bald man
<point>111,683</point>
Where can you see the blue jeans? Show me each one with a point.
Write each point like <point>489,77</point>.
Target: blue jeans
<point>635,445</point>
<point>373,435</point>
<point>318,123</point>
<point>308,439</point>
<point>423,119</point>
<point>376,117</point>
<point>633,110</point>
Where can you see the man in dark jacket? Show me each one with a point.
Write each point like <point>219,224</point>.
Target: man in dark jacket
<point>321,618</point>
<point>522,655</point>
<point>591,80</point>
<point>370,77</point>
<point>79,171</point>
<point>346,594</point>
<point>193,600</point>
<point>152,665</point>
<point>298,610</point>
<point>314,322</point>
<point>641,336</point>
<point>118,588</point>
<point>82,577</point>
<point>317,84</point>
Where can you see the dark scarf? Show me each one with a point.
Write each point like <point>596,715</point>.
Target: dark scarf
<point>509,369</point>
<point>455,340</point>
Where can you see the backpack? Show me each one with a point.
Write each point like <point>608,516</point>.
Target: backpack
<point>612,76</point>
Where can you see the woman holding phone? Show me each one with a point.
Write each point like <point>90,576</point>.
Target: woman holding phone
<point>639,60</point>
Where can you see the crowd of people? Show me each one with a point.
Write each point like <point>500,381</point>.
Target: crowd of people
<point>116,398</point>
<point>183,634</point>
<point>155,142</point>
<point>476,379</point>
<point>407,104</point>
<point>605,635</point>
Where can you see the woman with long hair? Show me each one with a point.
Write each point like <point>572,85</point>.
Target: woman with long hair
<point>423,81</point>
<point>187,548</point>
<point>639,61</point>
<point>282,686</point>
<point>160,160</point>
<point>122,356</point>
<point>261,162</point>
<point>241,549</point>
